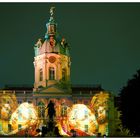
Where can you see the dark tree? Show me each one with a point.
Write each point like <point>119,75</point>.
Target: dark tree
<point>130,105</point>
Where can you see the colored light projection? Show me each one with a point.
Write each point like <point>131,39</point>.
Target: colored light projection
<point>8,104</point>
<point>24,117</point>
<point>87,120</point>
<point>16,119</point>
<point>99,106</point>
<point>83,120</point>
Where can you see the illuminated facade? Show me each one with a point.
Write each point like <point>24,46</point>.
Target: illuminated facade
<point>52,63</point>
<point>86,110</point>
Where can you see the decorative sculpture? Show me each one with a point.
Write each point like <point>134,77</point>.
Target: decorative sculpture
<point>52,11</point>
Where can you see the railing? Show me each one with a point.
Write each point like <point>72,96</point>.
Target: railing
<point>86,86</point>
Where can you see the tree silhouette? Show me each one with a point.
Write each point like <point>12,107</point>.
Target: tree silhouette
<point>130,105</point>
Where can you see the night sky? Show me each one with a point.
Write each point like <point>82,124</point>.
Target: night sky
<point>104,40</point>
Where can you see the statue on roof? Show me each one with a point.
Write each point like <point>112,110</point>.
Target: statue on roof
<point>39,43</point>
<point>52,11</point>
<point>51,110</point>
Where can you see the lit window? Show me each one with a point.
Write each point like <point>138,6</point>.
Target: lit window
<point>41,75</point>
<point>86,113</point>
<point>19,102</point>
<point>64,110</point>
<point>41,109</point>
<point>51,73</point>
<point>41,112</point>
<point>19,115</point>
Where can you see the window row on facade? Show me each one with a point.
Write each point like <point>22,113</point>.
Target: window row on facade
<point>51,74</point>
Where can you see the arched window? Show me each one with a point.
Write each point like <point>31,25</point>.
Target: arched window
<point>51,73</point>
<point>63,110</point>
<point>40,75</point>
<point>41,109</point>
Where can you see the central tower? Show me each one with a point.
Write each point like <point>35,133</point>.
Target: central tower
<point>52,61</point>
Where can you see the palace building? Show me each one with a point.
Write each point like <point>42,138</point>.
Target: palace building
<point>89,110</point>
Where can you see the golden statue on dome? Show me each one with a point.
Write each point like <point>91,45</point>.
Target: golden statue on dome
<point>52,11</point>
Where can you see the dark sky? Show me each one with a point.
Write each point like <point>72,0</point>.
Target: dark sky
<point>104,39</point>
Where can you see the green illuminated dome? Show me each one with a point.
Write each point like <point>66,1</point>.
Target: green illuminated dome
<point>53,42</point>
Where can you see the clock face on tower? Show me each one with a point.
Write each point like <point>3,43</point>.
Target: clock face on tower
<point>52,59</point>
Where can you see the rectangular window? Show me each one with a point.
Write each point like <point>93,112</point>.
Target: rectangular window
<point>86,128</point>
<point>41,112</point>
<point>64,111</point>
<point>51,73</point>
<point>9,128</point>
<point>86,113</point>
<point>64,74</point>
<point>19,102</point>
<point>85,102</point>
<point>41,75</point>
<point>75,101</point>
<point>19,126</point>
<point>20,115</point>
<point>0,127</point>
<point>29,102</point>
